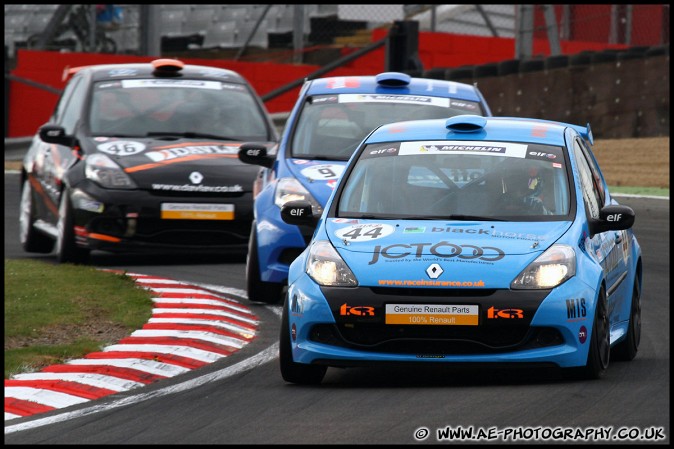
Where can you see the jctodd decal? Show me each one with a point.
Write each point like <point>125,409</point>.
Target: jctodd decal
<point>442,249</point>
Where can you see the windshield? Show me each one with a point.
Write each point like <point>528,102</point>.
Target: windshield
<point>138,108</point>
<point>457,180</point>
<point>331,126</point>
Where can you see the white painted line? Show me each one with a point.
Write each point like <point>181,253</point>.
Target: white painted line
<point>258,359</point>
<point>207,302</point>
<point>162,310</point>
<point>145,365</point>
<point>45,397</point>
<point>152,280</point>
<point>226,290</point>
<point>196,335</point>
<point>95,380</point>
<point>9,416</point>
<point>177,350</point>
<point>180,290</point>
<point>243,331</point>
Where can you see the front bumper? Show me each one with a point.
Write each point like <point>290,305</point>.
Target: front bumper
<point>131,221</point>
<point>347,327</point>
<point>278,244</point>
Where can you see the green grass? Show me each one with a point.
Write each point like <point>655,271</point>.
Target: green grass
<point>647,191</point>
<point>52,311</point>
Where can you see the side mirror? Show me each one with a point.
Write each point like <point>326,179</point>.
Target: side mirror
<point>55,134</point>
<point>298,213</point>
<point>613,218</point>
<point>255,154</point>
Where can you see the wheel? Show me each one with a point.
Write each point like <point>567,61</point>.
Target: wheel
<point>297,373</point>
<point>67,250</point>
<point>258,290</point>
<point>627,349</point>
<point>600,344</point>
<point>32,240</point>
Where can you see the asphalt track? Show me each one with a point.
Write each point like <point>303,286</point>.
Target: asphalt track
<point>242,399</point>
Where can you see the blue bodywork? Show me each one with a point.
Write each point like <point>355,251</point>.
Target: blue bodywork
<point>279,243</point>
<point>478,261</point>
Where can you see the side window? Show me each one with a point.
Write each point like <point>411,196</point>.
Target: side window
<point>596,174</point>
<point>73,108</point>
<point>591,195</point>
<point>64,100</point>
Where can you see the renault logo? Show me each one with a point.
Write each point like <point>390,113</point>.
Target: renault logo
<point>434,271</point>
<point>196,177</point>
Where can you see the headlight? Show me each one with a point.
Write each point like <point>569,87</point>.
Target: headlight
<point>290,189</point>
<point>549,270</point>
<point>327,268</point>
<point>102,170</point>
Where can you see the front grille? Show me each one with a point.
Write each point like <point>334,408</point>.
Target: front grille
<point>445,340</point>
<point>192,233</point>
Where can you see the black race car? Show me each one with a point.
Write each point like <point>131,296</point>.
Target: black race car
<point>143,158</point>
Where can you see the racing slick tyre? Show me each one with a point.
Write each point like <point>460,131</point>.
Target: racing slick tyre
<point>297,373</point>
<point>600,344</point>
<point>627,349</point>
<point>67,250</point>
<point>258,290</point>
<point>32,240</point>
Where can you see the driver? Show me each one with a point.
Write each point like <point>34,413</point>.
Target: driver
<point>522,193</point>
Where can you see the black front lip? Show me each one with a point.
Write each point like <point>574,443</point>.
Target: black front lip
<point>131,222</point>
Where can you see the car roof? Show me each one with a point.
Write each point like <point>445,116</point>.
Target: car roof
<point>473,127</point>
<point>158,68</point>
<point>392,83</point>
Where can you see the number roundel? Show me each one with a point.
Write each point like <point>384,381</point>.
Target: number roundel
<point>121,147</point>
<point>364,232</point>
<point>323,172</point>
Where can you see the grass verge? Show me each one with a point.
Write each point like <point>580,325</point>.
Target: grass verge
<point>645,191</point>
<point>54,313</point>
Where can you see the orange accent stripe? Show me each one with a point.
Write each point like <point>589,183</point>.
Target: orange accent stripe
<point>107,238</point>
<point>40,191</point>
<point>194,157</point>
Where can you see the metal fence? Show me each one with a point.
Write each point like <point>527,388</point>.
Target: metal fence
<point>256,32</point>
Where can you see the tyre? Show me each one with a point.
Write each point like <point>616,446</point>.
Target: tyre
<point>486,70</point>
<point>627,349</point>
<point>32,240</point>
<point>258,290</point>
<point>297,373</point>
<point>508,67</point>
<point>67,250</point>
<point>600,344</point>
<point>532,65</point>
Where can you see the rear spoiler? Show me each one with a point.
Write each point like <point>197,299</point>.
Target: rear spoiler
<point>586,132</point>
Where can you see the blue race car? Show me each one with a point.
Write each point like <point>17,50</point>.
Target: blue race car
<point>330,118</point>
<point>465,240</point>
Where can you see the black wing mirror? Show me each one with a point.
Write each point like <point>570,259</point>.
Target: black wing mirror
<point>256,154</point>
<point>55,134</point>
<point>298,213</point>
<point>613,218</point>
